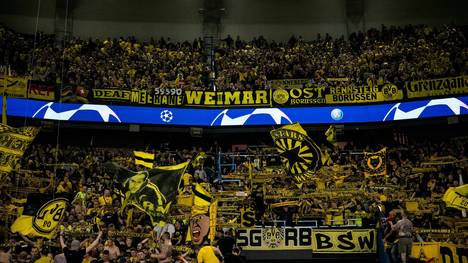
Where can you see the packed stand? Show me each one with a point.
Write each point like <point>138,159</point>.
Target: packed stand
<point>94,225</point>
<point>391,54</point>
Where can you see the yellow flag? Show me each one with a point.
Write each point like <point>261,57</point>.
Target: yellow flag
<point>143,158</point>
<point>12,152</point>
<point>457,197</point>
<point>299,153</point>
<point>331,135</point>
<point>41,217</point>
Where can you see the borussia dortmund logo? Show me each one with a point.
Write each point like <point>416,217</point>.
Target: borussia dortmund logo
<point>280,96</point>
<point>50,215</point>
<point>299,153</point>
<point>272,237</point>
<point>390,91</point>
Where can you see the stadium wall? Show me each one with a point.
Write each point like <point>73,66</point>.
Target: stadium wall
<point>274,19</point>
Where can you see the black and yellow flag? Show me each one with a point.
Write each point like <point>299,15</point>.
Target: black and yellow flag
<point>41,216</point>
<point>144,158</point>
<point>299,153</point>
<point>151,191</point>
<point>375,163</point>
<point>457,197</point>
<point>13,143</point>
<point>331,135</point>
<point>199,160</point>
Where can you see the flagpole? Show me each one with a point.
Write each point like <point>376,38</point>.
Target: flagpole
<point>4,101</point>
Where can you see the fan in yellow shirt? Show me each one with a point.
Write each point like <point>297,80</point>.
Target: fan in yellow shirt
<point>46,257</point>
<point>105,199</point>
<point>209,254</point>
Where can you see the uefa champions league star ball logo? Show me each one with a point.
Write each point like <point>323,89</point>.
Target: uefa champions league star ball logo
<point>166,116</point>
<point>54,111</point>
<point>433,108</point>
<point>261,116</point>
<point>336,114</point>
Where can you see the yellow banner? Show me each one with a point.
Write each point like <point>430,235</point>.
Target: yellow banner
<point>344,241</point>
<point>336,91</point>
<point>228,98</point>
<point>439,252</point>
<point>13,143</point>
<point>13,86</point>
<point>278,238</point>
<point>177,97</point>
<point>363,94</point>
<point>437,87</point>
<point>306,238</point>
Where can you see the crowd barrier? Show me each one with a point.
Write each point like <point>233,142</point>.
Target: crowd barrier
<point>284,93</point>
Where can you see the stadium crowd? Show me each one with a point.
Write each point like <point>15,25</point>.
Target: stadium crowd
<point>418,172</point>
<point>389,54</point>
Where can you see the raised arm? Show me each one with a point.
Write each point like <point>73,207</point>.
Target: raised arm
<point>62,243</point>
<point>95,242</point>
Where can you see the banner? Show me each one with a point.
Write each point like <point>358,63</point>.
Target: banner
<point>437,87</point>
<point>375,163</point>
<point>363,94</point>
<point>160,96</point>
<point>13,86</point>
<point>144,158</point>
<point>344,241</point>
<point>457,197</point>
<point>299,153</point>
<point>41,216</point>
<point>308,94</point>
<point>440,252</point>
<point>13,143</point>
<point>152,191</point>
<point>306,238</point>
<point>73,93</point>
<point>41,90</point>
<point>178,97</point>
<point>278,238</point>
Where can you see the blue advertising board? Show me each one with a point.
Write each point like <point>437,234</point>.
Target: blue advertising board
<point>237,117</point>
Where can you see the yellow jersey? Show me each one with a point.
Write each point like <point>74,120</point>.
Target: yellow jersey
<point>207,255</point>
